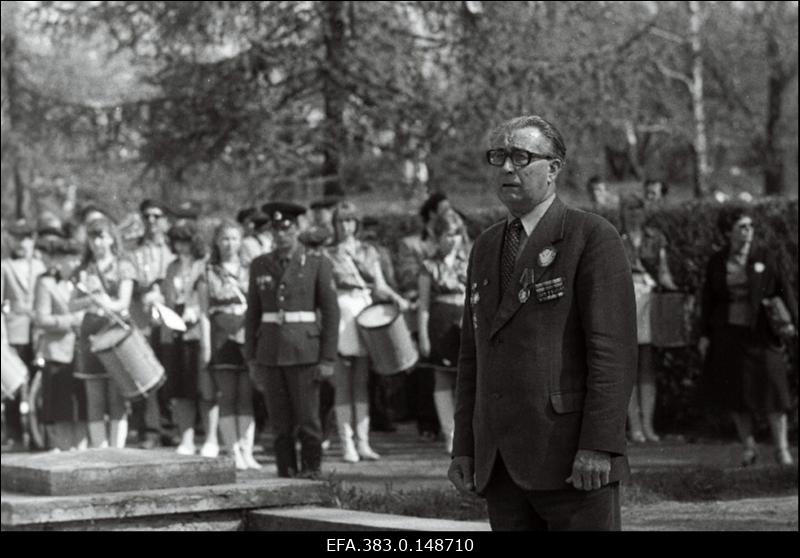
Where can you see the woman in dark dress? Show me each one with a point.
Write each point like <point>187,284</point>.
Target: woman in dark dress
<point>745,368</point>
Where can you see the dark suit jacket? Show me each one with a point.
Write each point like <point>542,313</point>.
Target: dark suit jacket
<point>764,281</point>
<point>305,285</point>
<point>539,380</point>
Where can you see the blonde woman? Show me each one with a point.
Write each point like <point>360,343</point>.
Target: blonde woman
<point>358,277</point>
<point>222,293</point>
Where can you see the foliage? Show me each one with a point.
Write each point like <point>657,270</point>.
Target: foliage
<point>276,98</point>
<point>693,237</point>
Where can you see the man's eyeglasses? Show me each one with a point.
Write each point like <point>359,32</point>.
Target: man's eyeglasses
<point>519,157</point>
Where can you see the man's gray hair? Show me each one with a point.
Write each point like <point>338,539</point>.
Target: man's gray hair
<point>559,150</point>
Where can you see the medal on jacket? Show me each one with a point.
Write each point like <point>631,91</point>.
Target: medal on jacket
<point>547,256</point>
<point>549,290</point>
<point>526,281</point>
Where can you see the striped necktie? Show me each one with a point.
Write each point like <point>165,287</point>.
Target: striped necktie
<point>509,257</point>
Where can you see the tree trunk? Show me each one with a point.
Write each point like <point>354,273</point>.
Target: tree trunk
<point>776,82</point>
<point>9,47</point>
<point>334,137</point>
<point>702,168</point>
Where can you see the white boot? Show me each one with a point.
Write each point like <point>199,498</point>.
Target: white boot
<point>227,430</point>
<point>247,437</point>
<point>119,432</point>
<point>345,428</point>
<point>209,413</point>
<point>362,431</point>
<point>445,409</point>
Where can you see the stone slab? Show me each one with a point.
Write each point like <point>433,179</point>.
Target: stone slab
<point>110,470</point>
<point>313,518</point>
<point>47,512</point>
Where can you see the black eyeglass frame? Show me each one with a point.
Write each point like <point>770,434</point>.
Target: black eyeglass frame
<point>530,157</point>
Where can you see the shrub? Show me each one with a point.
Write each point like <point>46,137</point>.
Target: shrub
<point>693,237</point>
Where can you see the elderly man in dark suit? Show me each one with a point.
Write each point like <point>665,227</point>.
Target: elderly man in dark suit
<point>291,333</point>
<point>548,350</point>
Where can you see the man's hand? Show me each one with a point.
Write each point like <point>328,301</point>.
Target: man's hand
<point>590,470</point>
<point>256,376</point>
<point>462,474</point>
<point>326,370</point>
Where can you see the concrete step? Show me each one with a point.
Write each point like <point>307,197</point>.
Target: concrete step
<point>110,470</point>
<point>314,518</point>
<point>159,508</point>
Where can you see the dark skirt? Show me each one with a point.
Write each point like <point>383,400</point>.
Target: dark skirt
<point>181,359</point>
<point>444,331</point>
<point>227,343</point>
<point>743,374</point>
<point>63,396</point>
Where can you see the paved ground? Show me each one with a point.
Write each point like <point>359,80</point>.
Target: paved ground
<point>410,464</point>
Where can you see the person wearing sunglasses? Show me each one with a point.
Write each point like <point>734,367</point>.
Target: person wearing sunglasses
<point>151,257</point>
<point>745,371</point>
<point>548,349</point>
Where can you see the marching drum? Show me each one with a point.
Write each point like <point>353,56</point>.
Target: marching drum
<point>129,359</point>
<point>385,333</point>
<point>14,372</point>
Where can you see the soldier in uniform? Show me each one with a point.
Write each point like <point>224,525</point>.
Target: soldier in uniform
<point>291,333</point>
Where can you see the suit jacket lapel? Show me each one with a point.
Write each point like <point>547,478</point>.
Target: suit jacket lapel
<point>487,279</point>
<point>549,231</point>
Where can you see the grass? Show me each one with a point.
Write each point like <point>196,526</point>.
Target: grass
<point>646,488</point>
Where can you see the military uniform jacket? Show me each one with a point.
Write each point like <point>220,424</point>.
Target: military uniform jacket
<point>306,285</point>
<point>548,369</point>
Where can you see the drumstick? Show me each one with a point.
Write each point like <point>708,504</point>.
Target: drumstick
<point>114,316</point>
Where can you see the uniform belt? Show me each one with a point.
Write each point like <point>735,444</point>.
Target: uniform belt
<point>235,309</point>
<point>282,317</point>
<point>453,298</point>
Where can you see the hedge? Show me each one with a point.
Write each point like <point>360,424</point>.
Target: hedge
<point>693,237</point>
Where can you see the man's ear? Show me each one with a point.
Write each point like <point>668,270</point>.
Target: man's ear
<point>555,167</point>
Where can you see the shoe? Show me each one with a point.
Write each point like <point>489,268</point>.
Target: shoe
<point>638,437</point>
<point>349,453</point>
<point>366,452</point>
<point>784,457</point>
<point>250,461</point>
<point>151,441</point>
<point>238,459</point>
<point>749,457</point>
<point>310,475</point>
<point>651,436</point>
<point>209,450</point>
<point>185,449</point>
